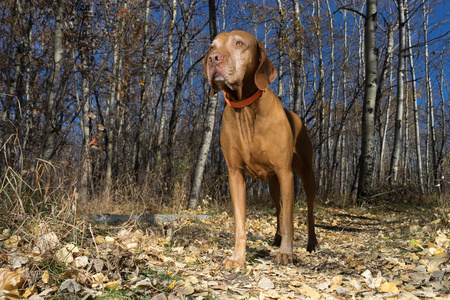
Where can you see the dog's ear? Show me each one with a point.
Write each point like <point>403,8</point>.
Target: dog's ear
<point>266,72</point>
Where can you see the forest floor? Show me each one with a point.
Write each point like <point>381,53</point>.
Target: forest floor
<point>380,253</point>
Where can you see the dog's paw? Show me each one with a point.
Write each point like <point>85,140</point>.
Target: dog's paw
<point>277,240</point>
<point>230,263</point>
<point>312,246</point>
<point>283,258</point>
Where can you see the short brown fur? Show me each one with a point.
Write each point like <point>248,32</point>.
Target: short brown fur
<point>263,140</point>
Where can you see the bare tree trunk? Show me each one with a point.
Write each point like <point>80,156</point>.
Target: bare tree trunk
<point>166,85</point>
<point>208,126</point>
<point>120,99</point>
<point>331,102</point>
<point>361,42</point>
<point>342,141</point>
<point>444,127</point>
<point>384,129</point>
<point>138,159</point>
<point>85,105</point>
<point>430,100</point>
<point>405,158</point>
<point>50,123</point>
<point>400,94</point>
<point>281,37</point>
<point>297,58</point>
<point>418,168</point>
<point>25,46</point>
<point>179,79</point>
<point>320,103</point>
<point>368,117</point>
<point>223,13</point>
<point>111,112</point>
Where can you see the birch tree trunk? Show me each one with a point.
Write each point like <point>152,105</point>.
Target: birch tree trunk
<point>331,102</point>
<point>297,58</point>
<point>208,126</point>
<point>166,85</point>
<point>139,161</point>
<point>406,159</point>
<point>393,173</point>
<point>110,111</point>
<point>387,67</point>
<point>179,78</point>
<point>342,141</point>
<point>85,104</point>
<point>281,38</point>
<point>50,123</point>
<point>430,100</point>
<point>368,117</point>
<point>444,140</point>
<point>419,172</point>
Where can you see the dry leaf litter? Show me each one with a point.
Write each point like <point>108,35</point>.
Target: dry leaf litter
<point>363,255</point>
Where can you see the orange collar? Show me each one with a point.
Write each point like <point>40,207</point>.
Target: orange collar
<point>245,102</point>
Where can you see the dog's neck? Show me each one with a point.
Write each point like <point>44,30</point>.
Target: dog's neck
<point>245,102</point>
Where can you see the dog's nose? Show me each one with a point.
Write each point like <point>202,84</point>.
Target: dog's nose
<point>215,58</point>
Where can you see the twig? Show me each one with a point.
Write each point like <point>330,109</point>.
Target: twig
<point>93,238</point>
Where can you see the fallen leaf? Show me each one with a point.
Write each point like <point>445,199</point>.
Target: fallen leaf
<point>46,277</point>
<point>337,280</point>
<point>29,292</point>
<point>70,285</point>
<point>99,277</point>
<point>435,264</point>
<point>98,265</point>
<point>159,296</point>
<point>64,256</point>
<point>388,288</point>
<point>47,241</point>
<point>109,239</point>
<point>143,284</point>
<point>416,243</point>
<point>184,288</point>
<point>172,285</point>
<point>355,284</point>
<point>99,239</point>
<point>80,262</point>
<point>266,284</point>
<point>442,240</point>
<point>190,259</point>
<point>18,262</point>
<point>112,285</point>
<point>308,291</point>
<point>10,280</point>
<point>222,287</point>
<point>192,279</point>
<point>323,285</point>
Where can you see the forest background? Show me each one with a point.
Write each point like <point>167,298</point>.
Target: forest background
<point>105,102</point>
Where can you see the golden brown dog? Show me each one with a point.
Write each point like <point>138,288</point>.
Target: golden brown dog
<point>259,137</point>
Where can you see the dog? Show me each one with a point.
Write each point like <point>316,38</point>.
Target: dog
<point>259,137</point>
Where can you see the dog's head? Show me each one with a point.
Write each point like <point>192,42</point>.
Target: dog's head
<point>237,63</point>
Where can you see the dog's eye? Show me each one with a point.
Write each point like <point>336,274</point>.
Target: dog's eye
<point>211,48</point>
<point>239,43</point>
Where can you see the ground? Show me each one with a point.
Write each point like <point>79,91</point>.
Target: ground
<point>377,253</point>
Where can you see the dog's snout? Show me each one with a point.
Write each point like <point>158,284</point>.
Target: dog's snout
<point>215,58</point>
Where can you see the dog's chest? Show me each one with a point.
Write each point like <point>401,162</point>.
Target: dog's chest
<point>249,149</point>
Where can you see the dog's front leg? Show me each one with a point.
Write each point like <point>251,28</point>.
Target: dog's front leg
<point>285,253</point>
<point>237,191</point>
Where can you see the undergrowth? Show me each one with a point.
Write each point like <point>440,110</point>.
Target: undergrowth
<point>48,193</point>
